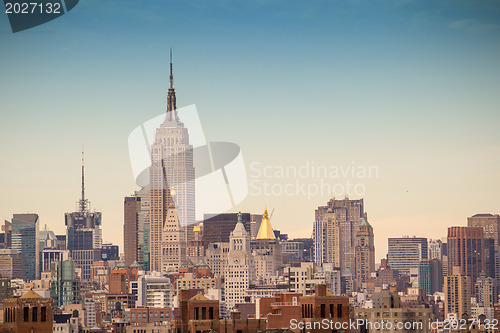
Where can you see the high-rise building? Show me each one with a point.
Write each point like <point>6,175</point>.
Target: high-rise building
<point>457,289</point>
<point>12,264</point>
<point>405,253</point>
<point>109,252</point>
<point>144,226</point>
<point>466,249</point>
<point>365,253</point>
<point>430,276</point>
<point>491,230</point>
<point>240,268</point>
<point>218,227</point>
<point>133,238</point>
<point>435,248</point>
<point>485,291</point>
<point>216,258</point>
<point>25,228</point>
<point>52,255</point>
<point>266,251</point>
<point>335,229</point>
<point>172,190</point>
<point>83,234</point>
<point>64,287</point>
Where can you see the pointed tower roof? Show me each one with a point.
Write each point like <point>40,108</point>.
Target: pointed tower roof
<point>265,230</point>
<point>239,229</point>
<point>365,222</point>
<point>171,99</point>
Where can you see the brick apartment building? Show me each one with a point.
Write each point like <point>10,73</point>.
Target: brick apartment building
<point>28,313</point>
<point>201,314</point>
<point>284,311</point>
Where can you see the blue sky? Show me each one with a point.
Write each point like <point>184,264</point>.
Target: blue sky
<point>408,86</point>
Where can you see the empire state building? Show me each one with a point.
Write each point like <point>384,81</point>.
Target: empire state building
<point>172,196</point>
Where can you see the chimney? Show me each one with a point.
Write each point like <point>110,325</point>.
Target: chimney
<point>321,290</point>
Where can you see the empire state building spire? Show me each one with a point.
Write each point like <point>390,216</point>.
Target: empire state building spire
<point>171,104</point>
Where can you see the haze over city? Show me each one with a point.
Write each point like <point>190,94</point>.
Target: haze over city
<point>407,87</point>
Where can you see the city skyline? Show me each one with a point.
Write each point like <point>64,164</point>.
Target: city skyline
<point>415,96</point>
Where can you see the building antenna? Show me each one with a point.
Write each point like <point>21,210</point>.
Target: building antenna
<point>171,73</point>
<point>83,202</point>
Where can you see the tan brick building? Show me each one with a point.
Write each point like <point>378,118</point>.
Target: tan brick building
<point>28,313</point>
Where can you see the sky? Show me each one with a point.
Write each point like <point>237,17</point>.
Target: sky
<point>406,88</point>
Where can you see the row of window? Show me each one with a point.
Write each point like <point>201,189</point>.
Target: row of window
<point>10,314</point>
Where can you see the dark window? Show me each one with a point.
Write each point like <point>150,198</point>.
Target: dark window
<point>323,310</point>
<point>196,313</point>
<point>203,313</point>
<point>331,310</point>
<point>26,314</point>
<point>339,310</point>
<point>210,313</point>
<point>43,314</point>
<point>34,314</point>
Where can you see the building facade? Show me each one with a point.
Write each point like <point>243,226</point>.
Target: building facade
<point>25,229</point>
<point>240,268</point>
<point>84,234</point>
<point>172,190</point>
<point>466,249</point>
<point>406,253</point>
<point>457,289</point>
<point>335,229</point>
<point>365,253</point>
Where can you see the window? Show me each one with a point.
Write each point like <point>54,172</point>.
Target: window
<point>43,314</point>
<point>34,314</point>
<point>196,313</point>
<point>26,316</point>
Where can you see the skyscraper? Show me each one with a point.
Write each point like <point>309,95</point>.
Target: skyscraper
<point>133,237</point>
<point>430,275</point>
<point>405,253</point>
<point>466,250</point>
<point>457,289</point>
<point>240,268</point>
<point>83,233</point>
<point>12,264</point>
<point>25,228</point>
<point>144,226</point>
<point>172,196</point>
<point>335,229</point>
<point>365,253</point>
<point>491,229</point>
<point>64,287</point>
